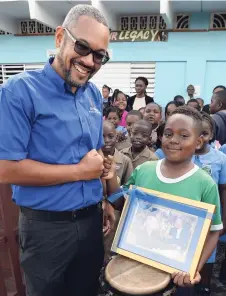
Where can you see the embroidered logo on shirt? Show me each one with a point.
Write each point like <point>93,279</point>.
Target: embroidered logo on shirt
<point>93,108</point>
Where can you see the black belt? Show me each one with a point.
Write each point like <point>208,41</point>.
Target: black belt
<point>60,216</point>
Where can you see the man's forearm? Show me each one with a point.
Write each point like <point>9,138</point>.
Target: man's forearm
<point>33,173</point>
<point>210,245</point>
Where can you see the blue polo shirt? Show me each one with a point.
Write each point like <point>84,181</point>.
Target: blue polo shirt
<point>42,120</point>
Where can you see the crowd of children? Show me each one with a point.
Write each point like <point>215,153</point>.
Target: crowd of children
<point>177,150</point>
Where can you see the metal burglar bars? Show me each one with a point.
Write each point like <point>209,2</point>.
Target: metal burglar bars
<point>9,70</point>
<point>122,76</point>
<point>218,21</point>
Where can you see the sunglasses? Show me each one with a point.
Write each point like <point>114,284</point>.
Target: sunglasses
<point>84,50</point>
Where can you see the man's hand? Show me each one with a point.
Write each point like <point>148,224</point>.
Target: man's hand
<point>182,279</point>
<point>109,168</point>
<point>91,166</point>
<point>109,217</point>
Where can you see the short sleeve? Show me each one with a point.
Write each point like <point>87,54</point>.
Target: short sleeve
<point>15,126</point>
<point>101,138</point>
<point>211,196</point>
<point>132,180</point>
<point>222,177</point>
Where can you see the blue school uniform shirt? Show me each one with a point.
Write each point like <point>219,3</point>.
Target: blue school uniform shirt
<point>223,149</point>
<point>159,153</point>
<point>42,120</point>
<point>214,163</point>
<point>122,129</point>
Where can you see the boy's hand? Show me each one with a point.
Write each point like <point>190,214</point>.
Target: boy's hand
<point>109,217</point>
<point>109,168</point>
<point>182,279</point>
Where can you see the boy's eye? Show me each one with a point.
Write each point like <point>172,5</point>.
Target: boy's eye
<point>168,134</point>
<point>184,136</point>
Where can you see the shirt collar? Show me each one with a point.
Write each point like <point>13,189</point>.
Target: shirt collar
<point>53,75</point>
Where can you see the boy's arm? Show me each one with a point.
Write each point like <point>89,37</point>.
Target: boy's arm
<point>210,245</point>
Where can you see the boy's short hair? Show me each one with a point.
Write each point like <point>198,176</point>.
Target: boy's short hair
<point>195,101</point>
<point>200,100</point>
<point>154,103</point>
<point>136,113</point>
<point>114,110</point>
<point>190,112</point>
<point>108,123</point>
<point>221,97</point>
<point>145,123</point>
<point>219,86</point>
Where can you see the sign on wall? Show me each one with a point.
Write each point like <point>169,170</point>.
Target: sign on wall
<point>138,36</point>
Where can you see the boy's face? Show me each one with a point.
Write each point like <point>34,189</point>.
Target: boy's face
<point>140,136</point>
<point>215,105</point>
<point>130,120</point>
<point>170,109</point>
<point>121,102</point>
<point>110,137</point>
<point>194,105</point>
<point>113,118</point>
<point>180,138</point>
<point>153,114</point>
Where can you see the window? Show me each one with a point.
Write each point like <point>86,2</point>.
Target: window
<point>33,27</point>
<point>218,21</point>
<point>9,70</point>
<point>143,22</point>
<point>182,21</point>
<point>122,76</point>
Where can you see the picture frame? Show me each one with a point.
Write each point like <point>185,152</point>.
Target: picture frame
<point>164,231</point>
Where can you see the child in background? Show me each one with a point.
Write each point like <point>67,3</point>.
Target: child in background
<point>123,164</point>
<point>194,103</point>
<point>214,163</point>
<point>124,170</point>
<point>178,175</point>
<point>153,114</point>
<point>140,139</point>
<point>170,107</point>
<point>141,110</point>
<point>132,117</point>
<point>120,102</point>
<point>159,152</point>
<point>113,115</point>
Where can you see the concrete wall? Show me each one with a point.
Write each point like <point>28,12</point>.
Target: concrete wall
<point>197,58</point>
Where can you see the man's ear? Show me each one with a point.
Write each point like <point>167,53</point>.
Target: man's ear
<point>199,143</point>
<point>59,36</point>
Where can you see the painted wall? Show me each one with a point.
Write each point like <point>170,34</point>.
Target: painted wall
<point>187,58</point>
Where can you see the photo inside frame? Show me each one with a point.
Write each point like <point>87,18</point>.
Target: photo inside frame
<point>162,230</point>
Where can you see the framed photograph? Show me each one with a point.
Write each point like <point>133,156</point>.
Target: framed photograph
<point>162,230</point>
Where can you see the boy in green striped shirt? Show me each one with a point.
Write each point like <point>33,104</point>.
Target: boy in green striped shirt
<point>177,175</point>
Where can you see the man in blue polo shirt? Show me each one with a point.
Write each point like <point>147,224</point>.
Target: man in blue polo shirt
<point>51,133</point>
